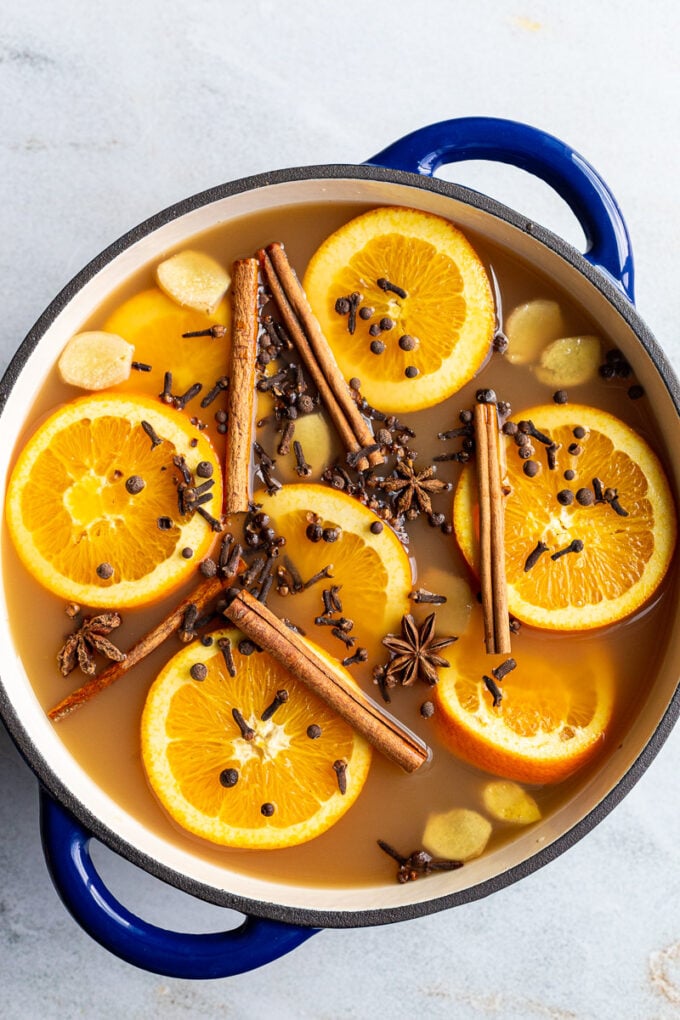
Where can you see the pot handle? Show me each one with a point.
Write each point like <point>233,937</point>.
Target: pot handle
<point>174,954</point>
<point>507,141</point>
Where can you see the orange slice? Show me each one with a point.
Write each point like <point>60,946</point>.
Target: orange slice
<point>372,571</point>
<point>154,324</point>
<point>76,525</point>
<point>448,308</point>
<point>624,557</point>
<point>279,788</point>
<point>554,712</point>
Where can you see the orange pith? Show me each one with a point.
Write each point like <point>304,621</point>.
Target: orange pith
<point>553,716</point>
<point>448,306</point>
<point>69,510</point>
<point>373,571</point>
<point>190,737</point>
<point>624,558</point>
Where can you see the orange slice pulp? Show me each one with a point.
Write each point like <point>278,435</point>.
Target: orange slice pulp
<point>153,323</point>
<point>76,525</point>
<point>553,715</point>
<point>625,555</point>
<point>279,787</point>
<point>373,571</point>
<point>443,303</point>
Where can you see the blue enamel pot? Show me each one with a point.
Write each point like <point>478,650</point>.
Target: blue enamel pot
<point>278,916</point>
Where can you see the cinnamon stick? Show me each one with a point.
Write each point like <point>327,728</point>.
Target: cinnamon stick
<point>199,598</point>
<point>491,530</point>
<point>499,584</point>
<point>484,499</point>
<point>330,682</point>
<point>241,393</point>
<point>315,351</point>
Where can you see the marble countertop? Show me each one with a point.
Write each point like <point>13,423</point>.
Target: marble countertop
<point>112,112</point>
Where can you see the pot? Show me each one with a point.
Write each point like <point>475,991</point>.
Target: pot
<point>280,916</point>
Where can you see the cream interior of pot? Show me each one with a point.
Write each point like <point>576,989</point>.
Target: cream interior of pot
<point>49,755</point>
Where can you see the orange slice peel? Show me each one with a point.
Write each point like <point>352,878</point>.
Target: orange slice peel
<point>439,297</point>
<point>373,571</point>
<point>552,718</point>
<point>626,551</point>
<point>277,787</point>
<point>77,526</point>
<point>154,324</point>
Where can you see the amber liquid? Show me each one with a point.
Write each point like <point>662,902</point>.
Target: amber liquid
<point>104,736</point>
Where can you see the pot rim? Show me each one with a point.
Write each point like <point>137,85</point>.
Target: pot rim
<point>274,911</point>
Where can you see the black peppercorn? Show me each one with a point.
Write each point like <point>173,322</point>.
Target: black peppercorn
<point>407,342</point>
<point>134,484</point>
<point>208,567</point>
<point>314,532</point>
<point>585,497</point>
<point>229,777</point>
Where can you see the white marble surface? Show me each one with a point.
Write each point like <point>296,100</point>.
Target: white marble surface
<point>111,112</point>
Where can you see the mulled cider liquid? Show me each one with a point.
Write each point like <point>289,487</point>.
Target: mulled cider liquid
<point>103,736</point>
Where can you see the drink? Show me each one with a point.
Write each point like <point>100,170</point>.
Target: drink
<point>103,737</point>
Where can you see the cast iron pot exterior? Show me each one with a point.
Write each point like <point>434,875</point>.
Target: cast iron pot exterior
<point>274,927</point>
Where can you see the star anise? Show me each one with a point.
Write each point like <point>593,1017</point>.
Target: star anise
<point>414,654</point>
<point>414,488</point>
<point>83,644</point>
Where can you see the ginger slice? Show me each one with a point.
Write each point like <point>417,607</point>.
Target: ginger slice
<point>194,280</point>
<point>317,442</point>
<point>96,360</point>
<point>509,802</point>
<point>569,361</point>
<point>459,834</point>
<point>530,327</point>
